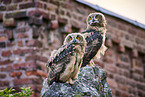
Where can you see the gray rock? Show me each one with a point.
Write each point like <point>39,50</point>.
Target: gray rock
<point>91,83</point>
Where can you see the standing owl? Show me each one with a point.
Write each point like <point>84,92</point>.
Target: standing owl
<point>95,37</point>
<point>64,63</point>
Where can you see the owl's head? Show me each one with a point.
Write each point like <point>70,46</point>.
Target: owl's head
<point>96,20</point>
<point>75,38</point>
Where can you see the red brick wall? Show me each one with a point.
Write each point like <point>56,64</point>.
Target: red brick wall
<point>30,30</point>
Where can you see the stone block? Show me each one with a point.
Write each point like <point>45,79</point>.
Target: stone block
<point>12,7</point>
<point>5,62</point>
<point>16,74</point>
<point>108,43</point>
<point>2,8</point>
<point>3,38</point>
<point>6,53</point>
<point>121,48</point>
<point>27,5</point>
<point>25,66</point>
<point>26,81</point>
<point>4,83</point>
<point>6,69</point>
<point>9,22</point>
<point>2,76</point>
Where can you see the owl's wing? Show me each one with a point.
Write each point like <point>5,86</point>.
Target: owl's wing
<point>94,43</point>
<point>57,62</point>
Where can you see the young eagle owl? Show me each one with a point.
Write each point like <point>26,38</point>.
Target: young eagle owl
<point>95,37</point>
<point>64,63</point>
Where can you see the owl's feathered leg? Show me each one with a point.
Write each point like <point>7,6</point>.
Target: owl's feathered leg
<point>70,81</point>
<point>91,63</point>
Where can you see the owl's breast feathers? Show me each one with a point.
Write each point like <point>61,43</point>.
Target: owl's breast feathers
<point>62,55</point>
<point>92,46</point>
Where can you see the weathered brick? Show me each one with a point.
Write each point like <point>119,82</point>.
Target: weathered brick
<point>4,83</point>
<point>16,15</point>
<point>39,4</point>
<point>36,88</point>
<point>16,74</point>
<point>35,21</point>
<point>109,52</point>
<point>132,31</point>
<point>25,81</point>
<point>34,43</point>
<point>24,51</point>
<point>2,76</point>
<point>9,33</point>
<point>6,69</point>
<point>125,94</point>
<point>16,1</point>
<point>111,68</point>
<point>36,57</point>
<point>10,44</point>
<point>137,63</point>
<point>21,14</point>
<point>53,24</point>
<point>112,23</point>
<point>23,29</point>
<point>12,7</point>
<point>123,87</point>
<point>27,5</point>
<point>75,24</point>
<point>9,22</point>
<point>122,27</point>
<point>2,8</point>
<point>22,35</point>
<point>36,32</point>
<point>6,53</point>
<point>112,83</point>
<point>117,93</point>
<point>35,95</point>
<point>120,79</point>
<point>36,13</point>
<point>108,60</point>
<point>37,73</point>
<point>116,40</point>
<point>110,75</point>
<point>6,1</point>
<point>54,2</point>
<point>5,62</point>
<point>141,93</point>
<point>108,43</point>
<point>121,48</point>
<point>62,20</point>
<point>141,86</point>
<point>2,44</point>
<point>3,38</point>
<point>122,58</point>
<point>141,35</point>
<point>1,16</point>
<point>20,43</point>
<point>24,66</point>
<point>21,23</point>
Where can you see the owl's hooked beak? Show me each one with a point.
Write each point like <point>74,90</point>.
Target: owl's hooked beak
<point>74,41</point>
<point>94,22</point>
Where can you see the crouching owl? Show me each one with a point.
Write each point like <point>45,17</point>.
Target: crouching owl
<point>64,63</point>
<point>95,37</point>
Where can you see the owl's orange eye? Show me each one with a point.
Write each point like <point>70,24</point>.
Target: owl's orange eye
<point>89,18</point>
<point>77,38</point>
<point>70,38</point>
<point>96,17</point>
